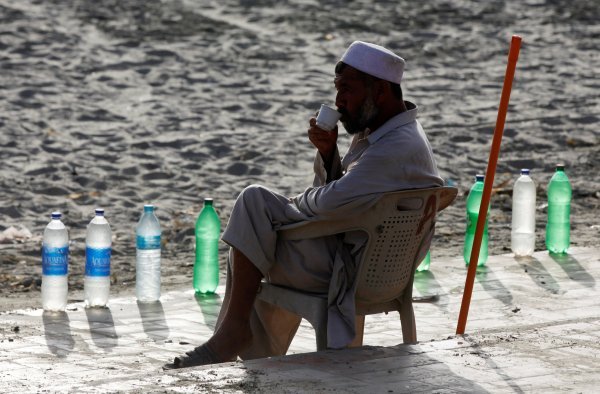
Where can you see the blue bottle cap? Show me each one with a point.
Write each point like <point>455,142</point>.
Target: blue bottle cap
<point>479,177</point>
<point>99,211</point>
<point>148,208</point>
<point>524,171</point>
<point>56,215</point>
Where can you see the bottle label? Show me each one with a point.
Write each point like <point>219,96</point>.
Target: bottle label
<point>152,242</point>
<point>97,261</point>
<point>55,261</point>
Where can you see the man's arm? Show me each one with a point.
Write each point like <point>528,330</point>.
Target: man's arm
<point>400,160</point>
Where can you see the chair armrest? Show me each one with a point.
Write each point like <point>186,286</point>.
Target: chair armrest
<point>318,229</point>
<point>402,200</point>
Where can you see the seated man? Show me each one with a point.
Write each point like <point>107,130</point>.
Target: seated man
<point>389,151</point>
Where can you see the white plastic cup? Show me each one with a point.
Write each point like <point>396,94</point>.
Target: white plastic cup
<point>327,117</point>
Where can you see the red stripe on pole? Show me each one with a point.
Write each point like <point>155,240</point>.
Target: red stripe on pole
<point>513,55</point>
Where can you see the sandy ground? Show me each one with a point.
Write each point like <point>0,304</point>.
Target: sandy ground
<point>115,104</point>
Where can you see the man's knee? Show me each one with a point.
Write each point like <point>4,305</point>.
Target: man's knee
<point>253,196</point>
<point>250,192</point>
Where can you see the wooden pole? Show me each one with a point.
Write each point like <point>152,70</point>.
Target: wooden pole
<point>513,55</point>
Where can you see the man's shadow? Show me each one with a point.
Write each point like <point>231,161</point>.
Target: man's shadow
<point>412,370</point>
<point>102,327</point>
<point>153,320</point>
<point>57,331</point>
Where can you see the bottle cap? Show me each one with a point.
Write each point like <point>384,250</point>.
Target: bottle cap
<point>208,201</point>
<point>524,171</point>
<point>560,167</point>
<point>479,177</point>
<point>56,215</point>
<point>148,208</point>
<point>99,211</point>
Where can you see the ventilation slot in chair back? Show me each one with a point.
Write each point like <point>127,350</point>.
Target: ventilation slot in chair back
<point>386,268</point>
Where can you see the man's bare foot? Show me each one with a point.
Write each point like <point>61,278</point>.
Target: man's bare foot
<point>202,355</point>
<point>222,347</point>
<point>230,340</point>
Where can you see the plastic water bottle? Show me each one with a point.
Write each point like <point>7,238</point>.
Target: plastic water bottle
<point>55,265</point>
<point>147,267</point>
<point>473,204</point>
<point>98,243</point>
<point>424,266</point>
<point>522,235</point>
<point>558,228</point>
<point>206,267</point>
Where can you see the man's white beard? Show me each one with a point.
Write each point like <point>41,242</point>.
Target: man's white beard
<point>366,113</point>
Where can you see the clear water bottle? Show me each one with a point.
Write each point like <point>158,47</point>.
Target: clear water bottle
<point>558,228</point>
<point>206,267</point>
<point>147,267</point>
<point>473,204</point>
<point>55,265</point>
<point>424,266</point>
<point>522,235</point>
<point>98,243</point>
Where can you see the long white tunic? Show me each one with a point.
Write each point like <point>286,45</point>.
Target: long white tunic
<point>396,156</point>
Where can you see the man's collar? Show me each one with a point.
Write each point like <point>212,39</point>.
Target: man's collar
<point>408,116</point>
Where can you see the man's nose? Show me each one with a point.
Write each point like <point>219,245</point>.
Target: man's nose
<point>339,103</point>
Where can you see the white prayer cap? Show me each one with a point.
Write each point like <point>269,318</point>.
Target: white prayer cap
<point>374,60</point>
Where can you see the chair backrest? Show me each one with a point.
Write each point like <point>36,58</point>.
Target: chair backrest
<point>400,228</point>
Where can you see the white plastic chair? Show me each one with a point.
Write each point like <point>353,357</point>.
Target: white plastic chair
<point>400,228</point>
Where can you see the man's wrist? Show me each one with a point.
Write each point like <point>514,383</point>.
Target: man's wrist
<point>327,156</point>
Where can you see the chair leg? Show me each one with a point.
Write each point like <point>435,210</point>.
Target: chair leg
<point>360,330</point>
<point>407,319</point>
<point>321,335</point>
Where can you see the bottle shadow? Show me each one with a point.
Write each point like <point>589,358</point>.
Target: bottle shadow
<point>57,332</point>
<point>429,289</point>
<point>491,284</point>
<point>210,306</point>
<point>538,273</point>
<point>153,320</point>
<point>102,327</point>
<point>573,269</point>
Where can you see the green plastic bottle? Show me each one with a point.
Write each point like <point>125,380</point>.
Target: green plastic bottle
<point>558,227</point>
<point>206,267</point>
<point>473,204</point>
<point>424,266</point>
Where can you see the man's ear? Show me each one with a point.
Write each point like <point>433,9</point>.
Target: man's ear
<point>381,92</point>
